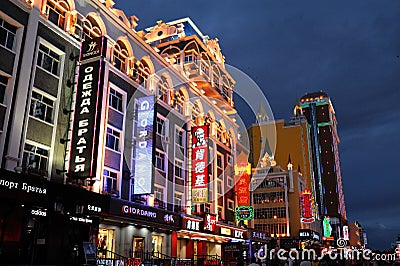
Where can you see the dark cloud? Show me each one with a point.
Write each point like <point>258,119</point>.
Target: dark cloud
<point>350,49</point>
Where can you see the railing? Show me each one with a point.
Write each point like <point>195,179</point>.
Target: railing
<point>109,258</point>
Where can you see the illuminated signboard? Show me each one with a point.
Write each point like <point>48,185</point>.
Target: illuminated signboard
<point>200,164</point>
<point>87,111</point>
<point>242,186</point>
<point>210,221</point>
<point>306,207</point>
<point>244,213</point>
<point>191,224</point>
<point>144,146</point>
<point>327,227</point>
<point>346,232</point>
<point>225,231</point>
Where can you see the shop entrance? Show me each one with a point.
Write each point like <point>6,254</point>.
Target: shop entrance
<point>157,243</point>
<point>106,242</point>
<point>137,247</point>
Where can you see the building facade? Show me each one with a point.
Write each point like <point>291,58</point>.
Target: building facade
<point>120,123</point>
<point>318,109</point>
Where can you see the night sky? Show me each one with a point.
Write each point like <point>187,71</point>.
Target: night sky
<point>349,49</point>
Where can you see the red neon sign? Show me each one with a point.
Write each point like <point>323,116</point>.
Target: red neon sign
<point>200,164</point>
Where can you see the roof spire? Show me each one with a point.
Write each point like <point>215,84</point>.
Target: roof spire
<point>262,115</point>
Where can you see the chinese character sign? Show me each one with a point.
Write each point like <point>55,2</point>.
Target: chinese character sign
<point>200,164</point>
<point>306,207</point>
<point>242,190</point>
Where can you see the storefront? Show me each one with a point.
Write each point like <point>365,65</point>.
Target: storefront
<point>23,217</point>
<point>44,222</point>
<point>132,229</point>
<point>203,238</point>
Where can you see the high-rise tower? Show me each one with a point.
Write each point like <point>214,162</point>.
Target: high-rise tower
<point>318,109</point>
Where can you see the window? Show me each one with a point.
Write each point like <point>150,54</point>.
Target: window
<point>113,139</point>
<point>7,34</point>
<point>48,60</point>
<point>178,202</point>
<point>219,187</point>
<point>42,107</point>
<point>220,159</point>
<point>160,126</point>
<point>35,158</point>
<point>120,56</point>
<point>179,142</point>
<point>90,29</point>
<point>115,100</point>
<point>3,87</point>
<point>142,72</point>
<point>189,58</point>
<point>179,173</point>
<point>179,101</point>
<point>110,181</point>
<point>230,182</point>
<point>56,11</point>
<point>158,197</point>
<point>160,161</point>
<point>231,205</point>
<point>163,89</point>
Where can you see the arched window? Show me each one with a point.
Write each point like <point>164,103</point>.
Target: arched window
<point>91,28</point>
<point>179,101</point>
<point>120,56</point>
<point>143,71</point>
<point>163,89</point>
<point>195,111</point>
<point>56,11</point>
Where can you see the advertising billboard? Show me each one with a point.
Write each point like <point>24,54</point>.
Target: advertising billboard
<point>144,148</point>
<point>306,207</point>
<point>87,119</point>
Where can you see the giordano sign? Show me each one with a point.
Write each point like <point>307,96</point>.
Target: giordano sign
<point>144,213</point>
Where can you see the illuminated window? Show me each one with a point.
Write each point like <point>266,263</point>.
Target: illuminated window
<point>91,28</point>
<point>110,181</point>
<point>35,158</point>
<point>55,12</point>
<point>7,34</point>
<point>3,87</point>
<point>116,100</point>
<point>113,139</point>
<point>48,59</point>
<point>42,107</point>
<point>120,56</point>
<point>160,161</point>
